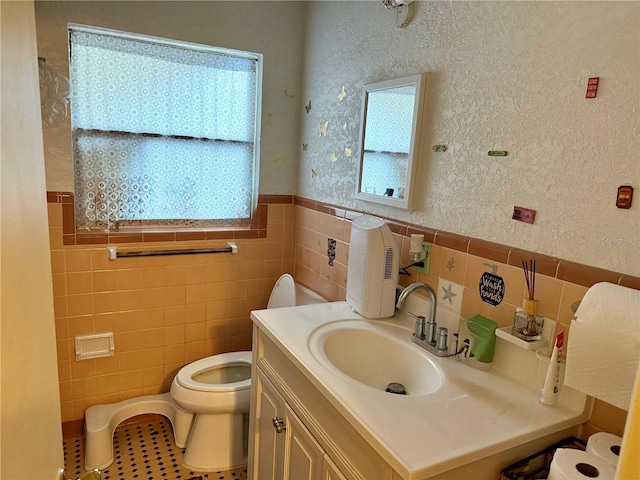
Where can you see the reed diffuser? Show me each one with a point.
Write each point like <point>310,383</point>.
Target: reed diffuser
<point>527,324</point>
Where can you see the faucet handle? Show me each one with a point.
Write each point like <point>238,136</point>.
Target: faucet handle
<point>419,329</point>
<point>441,341</point>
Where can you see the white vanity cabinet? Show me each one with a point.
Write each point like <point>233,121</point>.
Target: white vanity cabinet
<point>309,439</point>
<point>285,449</point>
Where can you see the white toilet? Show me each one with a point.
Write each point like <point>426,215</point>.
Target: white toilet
<point>217,389</point>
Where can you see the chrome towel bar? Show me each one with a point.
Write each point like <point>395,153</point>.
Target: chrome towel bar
<point>113,253</point>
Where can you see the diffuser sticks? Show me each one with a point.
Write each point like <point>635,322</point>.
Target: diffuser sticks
<point>527,324</point>
<point>530,277</point>
<point>530,304</point>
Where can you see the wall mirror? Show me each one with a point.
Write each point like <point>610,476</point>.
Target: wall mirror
<point>389,138</point>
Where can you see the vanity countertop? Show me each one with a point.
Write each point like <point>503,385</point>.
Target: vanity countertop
<point>474,413</point>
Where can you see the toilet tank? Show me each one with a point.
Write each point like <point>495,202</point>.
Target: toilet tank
<point>373,268</point>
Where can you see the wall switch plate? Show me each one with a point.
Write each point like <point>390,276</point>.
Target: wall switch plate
<point>427,249</point>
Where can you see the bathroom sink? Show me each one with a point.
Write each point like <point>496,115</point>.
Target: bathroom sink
<point>375,354</point>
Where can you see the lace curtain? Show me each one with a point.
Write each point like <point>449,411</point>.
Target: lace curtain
<point>390,120</point>
<point>163,133</point>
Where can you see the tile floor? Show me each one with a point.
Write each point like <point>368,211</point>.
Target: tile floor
<point>143,451</point>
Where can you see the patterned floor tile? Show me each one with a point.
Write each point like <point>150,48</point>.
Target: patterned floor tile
<point>143,451</point>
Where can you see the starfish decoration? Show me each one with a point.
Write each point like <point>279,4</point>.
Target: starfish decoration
<point>448,294</point>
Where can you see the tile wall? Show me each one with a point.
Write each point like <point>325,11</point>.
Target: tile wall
<point>164,311</point>
<point>168,311</point>
<point>459,260</point>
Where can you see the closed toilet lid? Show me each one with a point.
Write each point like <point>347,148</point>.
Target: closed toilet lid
<point>283,293</point>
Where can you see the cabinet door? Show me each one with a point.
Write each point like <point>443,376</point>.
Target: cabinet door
<point>267,442</point>
<point>302,454</point>
<point>330,470</point>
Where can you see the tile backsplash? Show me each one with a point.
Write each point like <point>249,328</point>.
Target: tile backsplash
<point>168,311</point>
<point>164,311</point>
<point>457,262</point>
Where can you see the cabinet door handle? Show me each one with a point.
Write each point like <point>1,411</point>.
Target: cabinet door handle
<point>278,424</point>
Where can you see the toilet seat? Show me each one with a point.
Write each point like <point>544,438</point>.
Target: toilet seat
<point>283,293</point>
<point>185,375</point>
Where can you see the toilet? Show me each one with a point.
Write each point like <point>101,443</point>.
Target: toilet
<point>217,390</point>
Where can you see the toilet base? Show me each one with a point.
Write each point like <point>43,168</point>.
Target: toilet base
<point>216,442</point>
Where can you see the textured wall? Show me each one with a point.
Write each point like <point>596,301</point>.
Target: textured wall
<point>270,28</point>
<point>502,76</point>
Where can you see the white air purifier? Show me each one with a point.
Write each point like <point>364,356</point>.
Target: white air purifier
<point>373,268</point>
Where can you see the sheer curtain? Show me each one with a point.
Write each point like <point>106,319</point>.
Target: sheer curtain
<point>164,133</point>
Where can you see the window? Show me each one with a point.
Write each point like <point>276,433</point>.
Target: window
<point>165,133</point>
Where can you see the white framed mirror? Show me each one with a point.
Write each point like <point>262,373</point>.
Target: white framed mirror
<point>389,140</point>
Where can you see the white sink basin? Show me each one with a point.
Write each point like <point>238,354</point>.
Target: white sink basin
<point>375,354</point>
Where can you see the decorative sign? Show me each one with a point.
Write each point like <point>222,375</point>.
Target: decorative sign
<point>625,195</point>
<point>525,215</point>
<point>491,288</point>
<point>592,87</point>
<point>331,250</point>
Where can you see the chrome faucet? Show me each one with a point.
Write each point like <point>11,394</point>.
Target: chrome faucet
<point>425,331</point>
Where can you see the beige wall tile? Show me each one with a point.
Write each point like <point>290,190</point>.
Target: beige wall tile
<point>153,357</point>
<point>58,264</point>
<point>129,299</point>
<point>151,278</point>
<point>130,380</point>
<point>572,294</point>
<point>130,341</point>
<point>104,281</point>
<point>99,260</point>
<point>80,282</point>
<point>195,274</point>
<point>78,260</point>
<point>548,291</point>
<point>453,265</point>
<point>106,322</point>
<point>59,284</point>
<point>81,325</point>
<point>174,335</point>
<point>152,318</point>
<point>107,384</point>
<point>174,275</point>
<point>130,279</point>
<point>129,321</point>
<point>105,302</point>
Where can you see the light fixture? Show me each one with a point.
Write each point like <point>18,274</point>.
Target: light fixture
<point>404,11</point>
